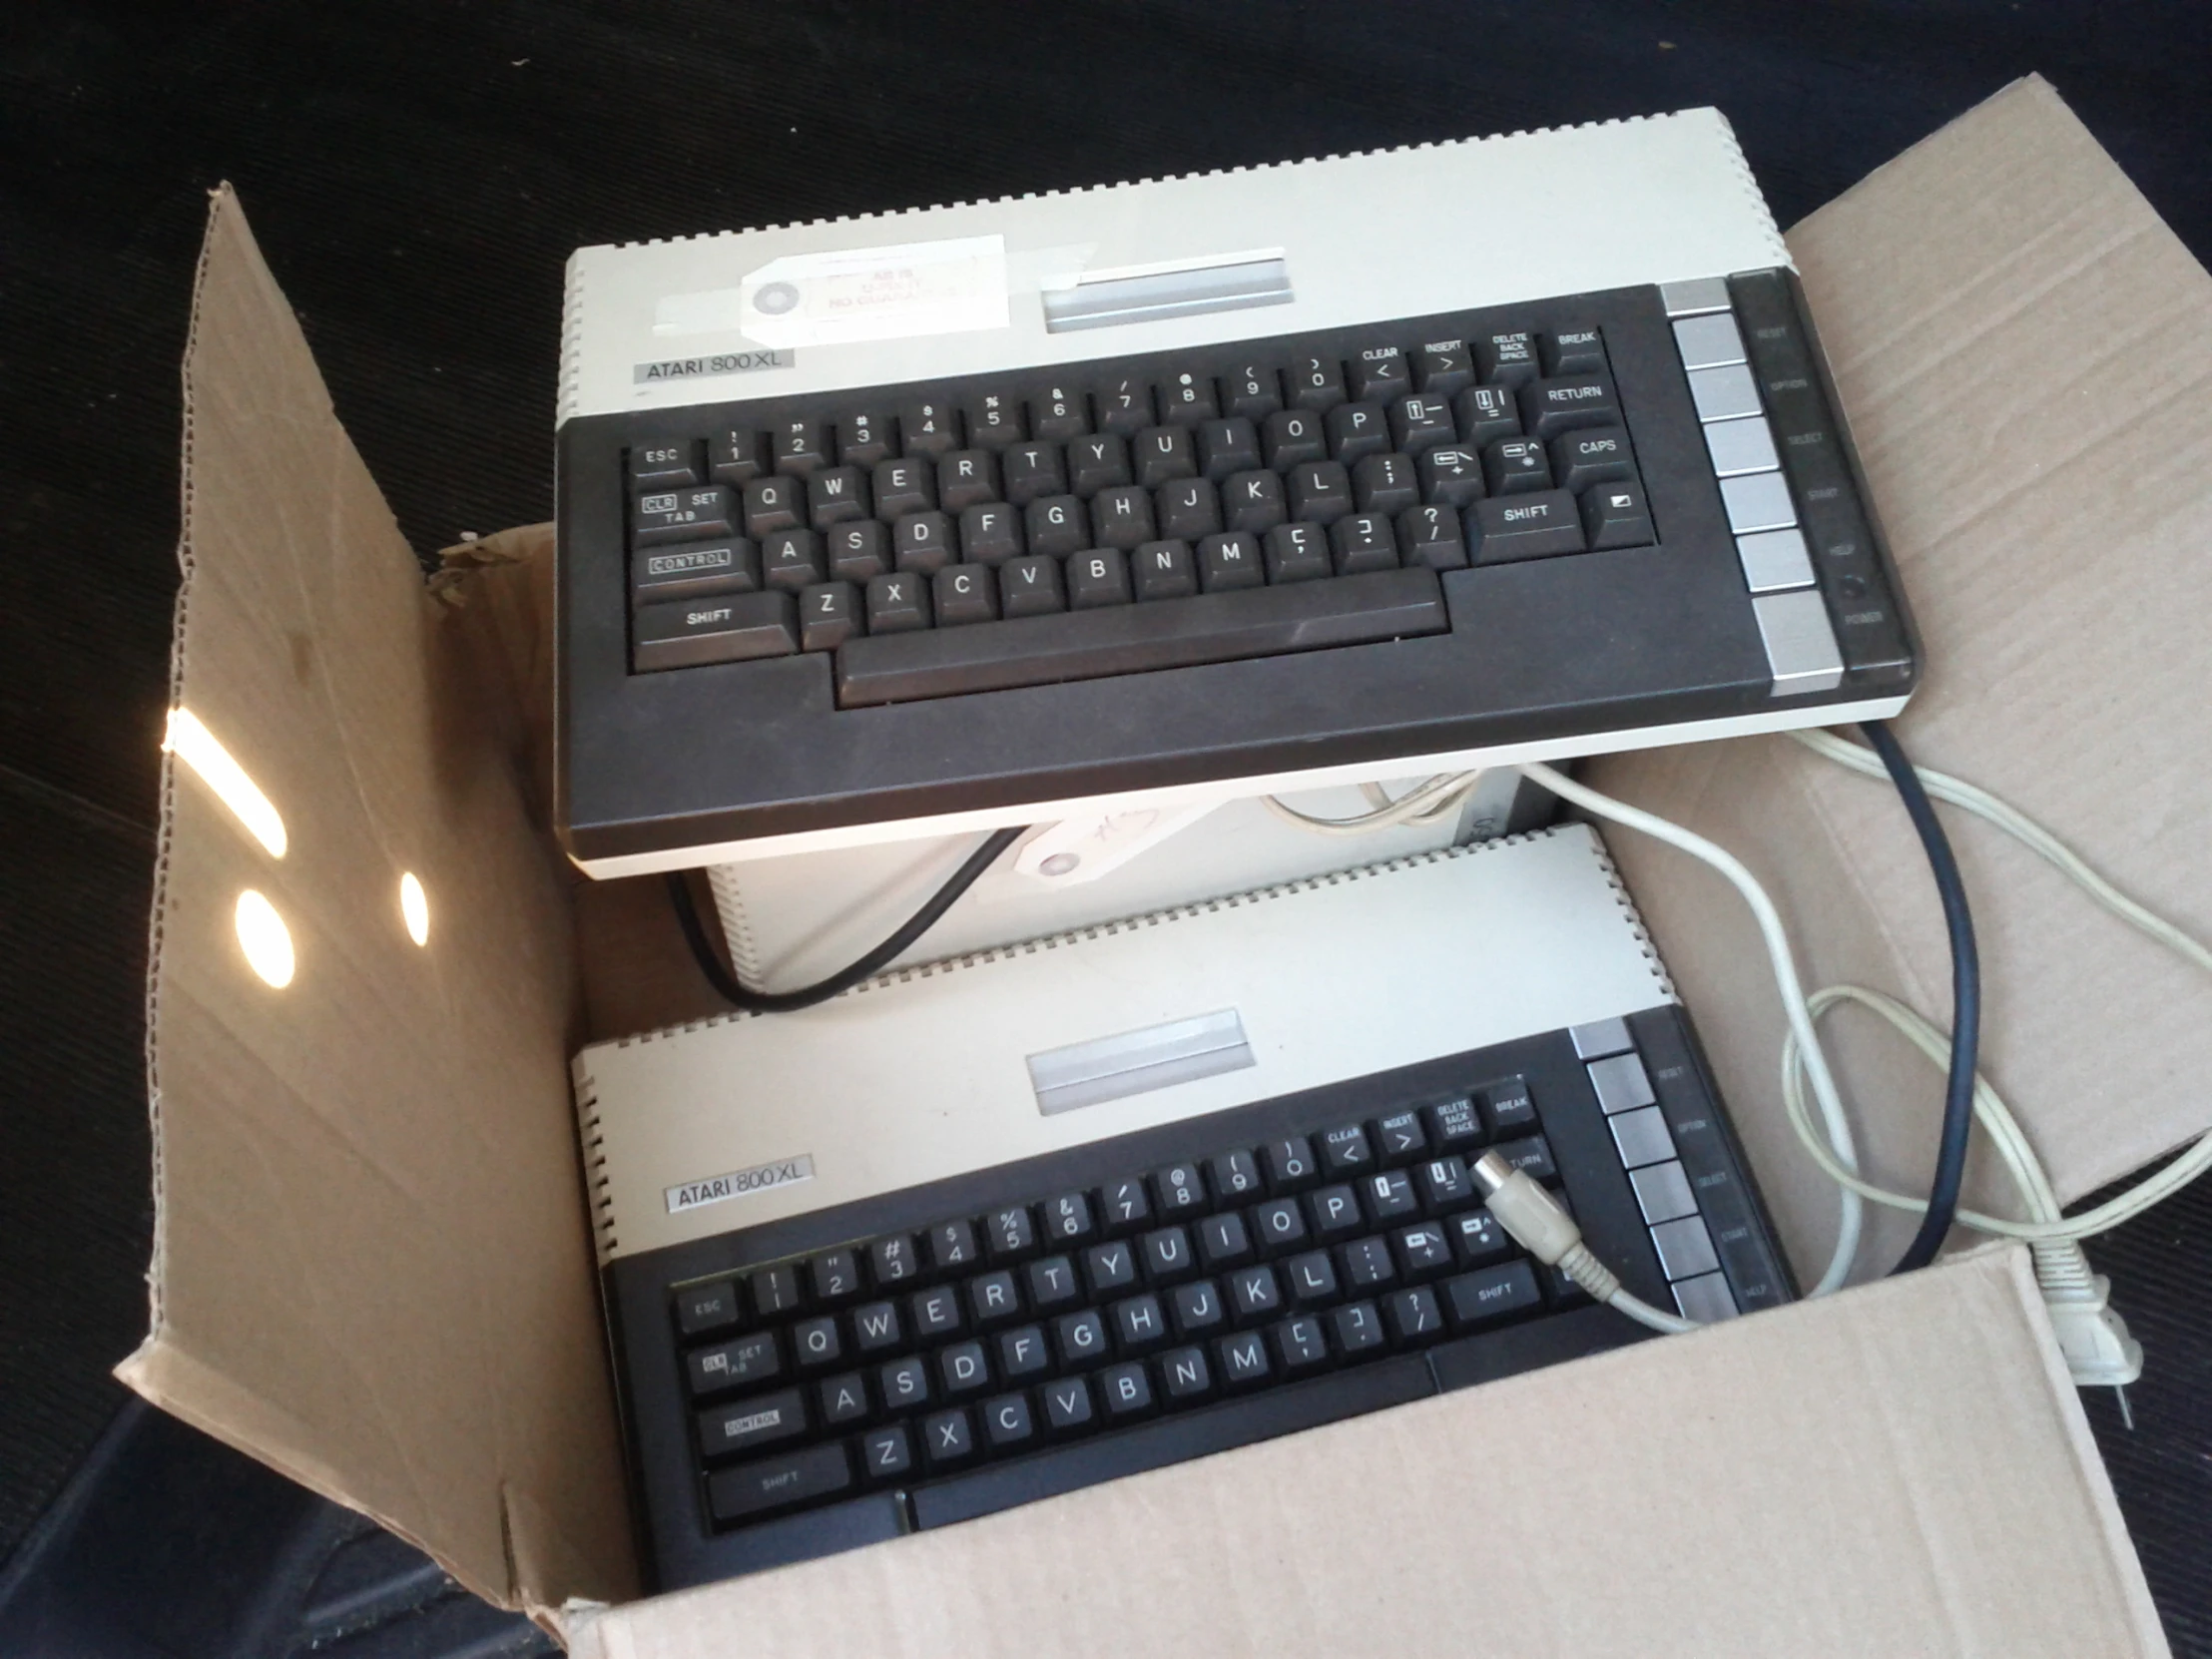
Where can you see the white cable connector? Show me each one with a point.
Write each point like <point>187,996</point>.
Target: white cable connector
<point>1542,1228</point>
<point>2099,1352</point>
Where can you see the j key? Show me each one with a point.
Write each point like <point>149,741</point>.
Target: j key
<point>1400,1137</point>
<point>1357,429</point>
<point>952,1244</point>
<point>1236,1175</point>
<point>1254,392</point>
<point>1450,477</point>
<point>1243,1359</point>
<point>1362,542</point>
<point>1316,384</point>
<point>1222,1242</point>
<point>734,457</point>
<point>731,566</point>
<point>1281,1224</point>
<point>1098,579</point>
<point>894,1259</point>
<point>1032,471</point>
<point>930,429</point>
<point>1506,359</point>
<point>876,1327</point>
<point>1167,1253</point>
<point>1059,415</point>
<point>1413,1315</point>
<point>1432,536</point>
<point>1109,1268</point>
<point>1009,1234</point>
<point>1253,1294</point>
<point>995,421</point>
<point>1357,1329</point>
<point>1179,1190</point>
<point>1097,463</point>
<point>1164,569</point>
<point>1597,455</point>
<point>1139,1322</point>
<point>947,1438</point>
<point>733,1365</point>
<point>1390,1195</point>
<point>1531,1155</point>
<point>1336,1212</point>
<point>1126,1389</point>
<point>834,495</point>
<point>1006,1421</point>
<point>922,542</point>
<point>1345,1150</point>
<point>991,534</point>
<point>664,465</point>
<point>1299,1345</point>
<point>1292,437</point>
<point>1121,518</point>
<point>1056,525</point>
<point>800,446</point>
<point>1125,408</point>
<point>1161,454</point>
<point>1068,1218</point>
<point>1051,1282</point>
<point>1184,1375</point>
<point>1031,587</point>
<point>731,629</point>
<point>1198,1308</point>
<point>934,1314</point>
<point>1254,501</point>
<point>1187,399</point>
<point>1573,351</point>
<point>864,439</point>
<point>1532,526</point>
<point>815,1342</point>
<point>1550,408</point>
<point>1228,446</point>
<point>1421,1250</point>
<point>1490,1294</point>
<point>1379,373</point>
<point>1477,1239</point>
<point>1420,422</point>
<point>963,594</point>
<point>965,478</point>
<point>1511,465</point>
<point>1444,1183</point>
<point>1485,414</point>
<point>695,514</point>
<point>1067,1406</point>
<point>703,1310</point>
<point>1384,484</point>
<point>1443,368</point>
<point>908,485</point>
<point>1510,1107</point>
<point>1124,1205</point>
<point>1454,1123</point>
<point>1297,553</point>
<point>1313,1277</point>
<point>1617,515</point>
<point>1320,492</point>
<point>835,1275</point>
<point>1290,1164</point>
<point>887,1454</point>
<point>768,1483</point>
<point>991,1297</point>
<point>791,560</point>
<point>1230,560</point>
<point>1188,509</point>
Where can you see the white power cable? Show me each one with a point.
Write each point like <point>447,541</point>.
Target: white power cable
<point>1425,803</point>
<point>1852,1214</point>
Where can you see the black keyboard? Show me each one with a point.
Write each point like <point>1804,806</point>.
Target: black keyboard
<point>943,1352</point>
<point>1409,538</point>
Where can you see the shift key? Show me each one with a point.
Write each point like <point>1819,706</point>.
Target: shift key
<point>778,1482</point>
<point>1532,526</point>
<point>728,629</point>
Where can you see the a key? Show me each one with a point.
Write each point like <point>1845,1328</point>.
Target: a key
<point>1051,1282</point>
<point>731,628</point>
<point>1532,526</point>
<point>1293,437</point>
<point>1550,408</point>
<point>1477,1239</point>
<point>1254,501</point>
<point>1254,1294</point>
<point>1254,392</point>
<point>704,1310</point>
<point>1320,492</point>
<point>1510,1106</point>
<point>1167,1253</point>
<point>1432,536</point>
<point>876,1327</point>
<point>772,504</point>
<point>843,1399</point>
<point>829,614</point>
<point>1484,414</point>
<point>921,542</point>
<point>1243,1359</point>
<point>1179,1191</point>
<point>991,534</point>
<point>991,1298</point>
<point>1288,1162</point>
<point>1098,578</point>
<point>1573,351</point>
<point>1336,1212</point>
<point>1506,359</point>
<point>1443,368</point>
<point>1454,1123</point>
<point>1420,421</point>
<point>1009,1234</point>
<point>952,1244</point>
<point>1616,515</point>
<point>1124,1205</point>
<point>1367,1264</point>
<point>791,560</point>
<point>1126,1390</point>
<point>1187,510</point>
<point>1531,1155</point>
<point>1357,429</point>
<point>1110,1267</point>
<point>1059,415</point>
<point>962,1369</point>
<point>774,1290</point>
<point>947,1438</point>
<point>1125,407</point>
<point>800,447</point>
<point>1097,463</point>
<point>904,1383</point>
<point>1511,465</point>
<point>896,604</point>
<point>1031,587</point>
<point>1316,384</point>
<point>729,566</point>
<point>1223,1241</point>
<point>1389,1194</point>
<point>1489,1294</point>
<point>1450,477</point>
<point>1056,525</point>
<point>733,1365</point>
<point>1280,1223</point>
<point>1138,1323</point>
<point>1444,1183</point>
<point>1400,1136</point>
<point>1198,1308</point>
<point>864,438</point>
<point>735,458</point>
<point>698,513</point>
<point>1023,1353</point>
<point>1595,455</point>
<point>1297,553</point>
<point>1006,1421</point>
<point>1161,454</point>
<point>1234,1175</point>
<point>779,1483</point>
<point>1185,1375</point>
<point>995,421</point>
<point>934,1314</point>
<point>1345,1150</point>
<point>1230,560</point>
<point>906,485</point>
<point>835,494</point>
<point>1421,1250</point>
<point>1300,1346</point>
<point>1187,398</point>
<point>930,429</point>
<point>1032,471</point>
<point>664,463</point>
<point>1379,373</point>
<point>963,594</point>
<point>1357,1329</point>
<point>1067,1406</point>
<point>1164,570</point>
<point>1121,518</point>
<point>1386,485</point>
<point>1313,1277</point>
<point>1226,447</point>
<point>1362,542</point>
<point>1413,1315</point>
<point>814,1344</point>
<point>966,476</point>
<point>1068,1218</point>
<point>1081,1338</point>
<point>887,1454</point>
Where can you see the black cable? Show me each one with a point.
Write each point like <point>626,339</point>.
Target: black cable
<point>822,990</point>
<point>1965,1003</point>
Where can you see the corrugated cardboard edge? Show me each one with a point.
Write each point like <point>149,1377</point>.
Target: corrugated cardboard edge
<point>1974,1517</point>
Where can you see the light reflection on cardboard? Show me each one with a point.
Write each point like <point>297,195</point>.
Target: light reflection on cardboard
<point>191,742</point>
<point>264,939</point>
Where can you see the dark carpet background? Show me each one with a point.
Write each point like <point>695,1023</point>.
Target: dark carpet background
<point>416,173</point>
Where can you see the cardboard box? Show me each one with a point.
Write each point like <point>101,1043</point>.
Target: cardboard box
<point>371,1267</point>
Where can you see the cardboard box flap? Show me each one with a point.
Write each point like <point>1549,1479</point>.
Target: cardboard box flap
<point>2025,355</point>
<point>1902,1470</point>
<point>371,1265</point>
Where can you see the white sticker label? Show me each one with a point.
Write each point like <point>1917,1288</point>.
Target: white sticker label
<point>738,1182</point>
<point>867,293</point>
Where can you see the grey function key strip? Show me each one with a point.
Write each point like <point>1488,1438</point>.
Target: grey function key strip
<point>930,1356</point>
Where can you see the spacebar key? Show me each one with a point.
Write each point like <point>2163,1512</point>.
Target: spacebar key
<point>1132,638</point>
